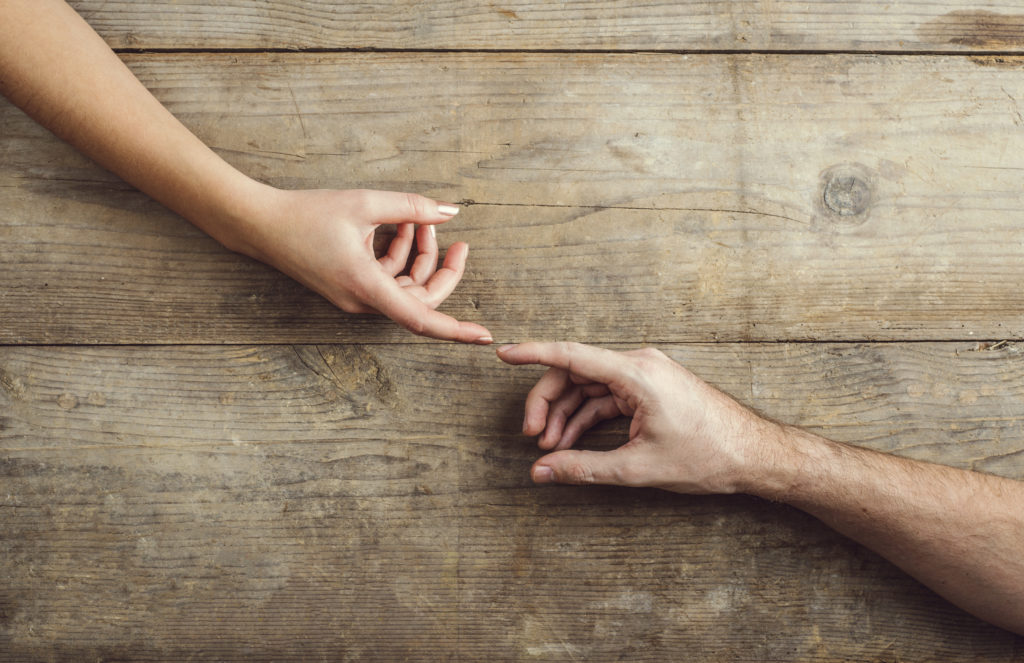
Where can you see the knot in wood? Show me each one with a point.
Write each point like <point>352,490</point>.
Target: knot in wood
<point>846,194</point>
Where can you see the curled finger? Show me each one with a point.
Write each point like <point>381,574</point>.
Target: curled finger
<point>425,264</point>
<point>389,298</point>
<point>394,261</point>
<point>593,412</point>
<point>558,413</point>
<point>548,389</point>
<point>442,283</point>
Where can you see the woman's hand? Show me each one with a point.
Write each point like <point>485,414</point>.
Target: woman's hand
<point>324,239</point>
<point>61,73</point>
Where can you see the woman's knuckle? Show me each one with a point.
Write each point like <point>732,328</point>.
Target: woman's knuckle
<point>417,205</point>
<point>360,199</point>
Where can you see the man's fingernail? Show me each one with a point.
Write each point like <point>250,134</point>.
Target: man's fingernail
<point>506,347</point>
<point>448,210</point>
<point>484,340</point>
<point>543,474</point>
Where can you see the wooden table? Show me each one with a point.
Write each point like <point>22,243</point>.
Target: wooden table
<point>816,206</point>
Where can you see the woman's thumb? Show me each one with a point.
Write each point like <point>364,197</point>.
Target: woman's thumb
<point>392,207</point>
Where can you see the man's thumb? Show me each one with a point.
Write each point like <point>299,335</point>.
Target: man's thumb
<point>581,467</point>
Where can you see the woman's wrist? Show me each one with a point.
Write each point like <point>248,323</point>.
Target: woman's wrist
<point>242,215</point>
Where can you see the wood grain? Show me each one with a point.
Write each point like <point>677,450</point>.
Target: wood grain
<point>574,25</point>
<point>642,198</point>
<point>332,488</point>
<point>372,502</point>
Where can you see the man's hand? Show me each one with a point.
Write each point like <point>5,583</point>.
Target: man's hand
<point>959,532</point>
<point>685,436</point>
<point>324,239</point>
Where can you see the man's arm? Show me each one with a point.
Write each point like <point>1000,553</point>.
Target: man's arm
<point>959,532</point>
<point>62,74</point>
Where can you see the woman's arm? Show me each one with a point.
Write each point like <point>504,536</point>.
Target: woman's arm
<point>62,74</point>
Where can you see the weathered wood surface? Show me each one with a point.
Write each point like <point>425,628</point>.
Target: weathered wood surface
<point>372,503</point>
<point>580,24</point>
<point>637,198</point>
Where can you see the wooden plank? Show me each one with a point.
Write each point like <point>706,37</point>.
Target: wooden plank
<point>698,198</point>
<point>372,503</point>
<point>580,24</point>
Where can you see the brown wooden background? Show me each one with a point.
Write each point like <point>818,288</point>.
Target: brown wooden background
<point>817,206</point>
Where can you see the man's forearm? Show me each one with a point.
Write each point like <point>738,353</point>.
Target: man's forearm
<point>63,75</point>
<point>960,533</point>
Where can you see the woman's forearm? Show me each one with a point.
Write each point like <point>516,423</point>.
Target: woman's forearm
<point>63,75</point>
<point>959,532</point>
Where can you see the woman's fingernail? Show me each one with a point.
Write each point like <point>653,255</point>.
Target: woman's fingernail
<point>448,210</point>
<point>433,232</point>
<point>484,340</point>
<point>543,474</point>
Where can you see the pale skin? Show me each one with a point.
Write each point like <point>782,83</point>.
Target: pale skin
<point>959,532</point>
<point>63,75</point>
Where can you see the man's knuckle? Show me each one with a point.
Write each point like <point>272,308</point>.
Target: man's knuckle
<point>643,365</point>
<point>579,473</point>
<point>349,306</point>
<point>653,354</point>
<point>627,474</point>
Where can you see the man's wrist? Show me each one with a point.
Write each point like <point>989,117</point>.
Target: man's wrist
<point>781,461</point>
